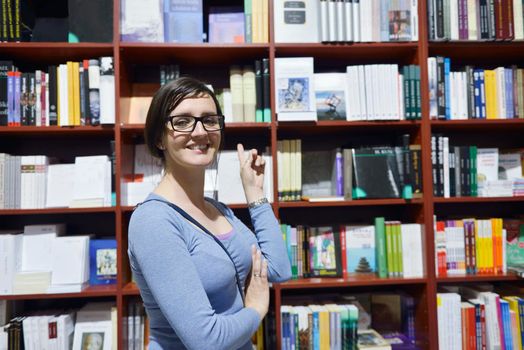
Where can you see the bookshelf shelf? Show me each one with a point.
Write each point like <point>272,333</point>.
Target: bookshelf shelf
<point>468,52</point>
<point>361,202</point>
<point>53,53</point>
<point>350,281</point>
<point>222,54</point>
<point>57,130</point>
<point>130,289</point>
<point>343,126</point>
<point>230,128</point>
<point>351,52</point>
<point>477,124</point>
<point>89,292</point>
<point>478,278</point>
<point>4,212</point>
<point>441,200</point>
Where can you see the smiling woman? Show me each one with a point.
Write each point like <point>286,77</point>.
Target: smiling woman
<point>203,275</point>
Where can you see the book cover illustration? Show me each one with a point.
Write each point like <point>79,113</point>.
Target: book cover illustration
<point>331,96</point>
<point>293,94</point>
<point>324,252</point>
<point>376,173</point>
<point>318,174</point>
<point>399,25</point>
<point>360,249</point>
<point>226,25</point>
<point>102,261</point>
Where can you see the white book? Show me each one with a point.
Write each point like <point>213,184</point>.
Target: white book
<point>298,165</point>
<point>445,161</point>
<point>395,97</point>
<point>356,21</point>
<point>369,93</point>
<point>473,33</point>
<point>331,96</point>
<point>296,24</point>
<point>229,179</point>
<point>324,21</point>
<point>294,88</point>
<point>487,168</point>
<point>518,20</point>
<point>70,261</point>
<point>107,91</point>
<point>37,252</point>
<point>414,20</point>
<point>47,99</point>
<point>227,109</point>
<point>93,324</point>
<point>27,182</point>
<point>453,18</point>
<point>249,93</point>
<point>146,165</point>
<point>400,88</point>
<point>280,167</point>
<point>142,21</point>
<point>490,299</point>
<point>60,181</point>
<point>332,20</point>
<point>38,101</point>
<point>366,26</point>
<point>412,257</point>
<point>453,97</point>
<point>348,20</point>
<point>362,93</point>
<point>92,184</point>
<point>500,77</point>
<point>63,104</point>
<point>353,94</point>
<point>10,255</point>
<point>341,21</point>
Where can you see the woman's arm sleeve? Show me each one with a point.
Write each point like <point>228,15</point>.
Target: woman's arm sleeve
<point>271,243</point>
<point>165,262</point>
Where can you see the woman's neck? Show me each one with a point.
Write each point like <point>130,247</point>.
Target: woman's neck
<point>185,188</point>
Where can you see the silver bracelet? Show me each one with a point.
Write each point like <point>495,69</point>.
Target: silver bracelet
<point>257,203</point>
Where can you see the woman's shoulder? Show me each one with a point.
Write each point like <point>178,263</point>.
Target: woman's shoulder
<point>153,213</point>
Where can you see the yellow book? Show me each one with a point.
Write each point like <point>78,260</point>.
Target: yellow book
<point>323,316</point>
<point>286,169</point>
<point>514,306</point>
<point>76,93</point>
<point>70,93</point>
<point>490,82</point>
<point>265,21</point>
<point>490,261</point>
<point>255,20</point>
<point>398,255</point>
<point>389,249</point>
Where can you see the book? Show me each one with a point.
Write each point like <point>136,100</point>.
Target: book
<point>226,25</point>
<point>371,339</point>
<point>102,261</point>
<point>375,173</point>
<point>183,21</point>
<point>360,249</point>
<point>324,252</point>
<point>294,89</point>
<point>141,21</point>
<point>319,174</point>
<point>296,22</point>
<point>331,96</point>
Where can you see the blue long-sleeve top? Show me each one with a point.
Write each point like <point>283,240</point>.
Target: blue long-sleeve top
<point>187,281</point>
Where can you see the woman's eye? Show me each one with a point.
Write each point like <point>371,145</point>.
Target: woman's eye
<point>181,122</point>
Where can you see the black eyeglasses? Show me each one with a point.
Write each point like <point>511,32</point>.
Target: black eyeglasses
<point>187,123</point>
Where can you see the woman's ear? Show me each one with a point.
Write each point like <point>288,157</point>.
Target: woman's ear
<point>161,147</point>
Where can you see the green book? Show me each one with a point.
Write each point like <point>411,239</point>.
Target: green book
<point>473,170</point>
<point>380,246</point>
<point>391,248</point>
<point>248,29</point>
<point>398,237</point>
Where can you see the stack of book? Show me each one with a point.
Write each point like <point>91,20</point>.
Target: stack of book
<point>474,171</point>
<point>474,93</point>
<point>70,94</point>
<point>364,92</point>
<point>475,20</point>
<point>345,21</point>
<point>348,173</point>
<point>388,249</point>
<point>478,316</point>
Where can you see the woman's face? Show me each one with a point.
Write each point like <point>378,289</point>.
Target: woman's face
<point>192,149</point>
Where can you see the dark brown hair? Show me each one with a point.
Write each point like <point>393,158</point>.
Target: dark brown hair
<point>165,100</point>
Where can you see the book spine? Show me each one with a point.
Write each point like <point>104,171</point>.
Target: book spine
<point>380,241</point>
<point>259,88</point>
<point>248,15</point>
<point>5,67</point>
<point>10,98</point>
<point>18,92</point>
<point>339,161</point>
<point>94,91</point>
<point>267,90</point>
<point>53,116</point>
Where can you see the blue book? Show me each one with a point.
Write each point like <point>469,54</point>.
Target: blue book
<point>482,95</point>
<point>447,64</point>
<point>183,21</point>
<point>102,261</point>
<point>360,249</point>
<point>506,324</point>
<point>476,94</point>
<point>510,111</point>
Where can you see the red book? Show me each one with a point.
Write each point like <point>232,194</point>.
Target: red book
<point>499,20</point>
<point>343,250</point>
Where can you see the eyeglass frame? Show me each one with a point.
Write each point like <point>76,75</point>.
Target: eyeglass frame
<point>221,122</point>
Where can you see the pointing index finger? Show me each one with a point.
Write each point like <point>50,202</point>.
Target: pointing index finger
<point>240,151</point>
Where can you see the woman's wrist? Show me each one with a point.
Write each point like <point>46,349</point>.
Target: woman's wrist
<point>257,202</point>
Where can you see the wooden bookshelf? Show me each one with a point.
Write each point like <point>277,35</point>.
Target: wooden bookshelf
<point>213,61</point>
